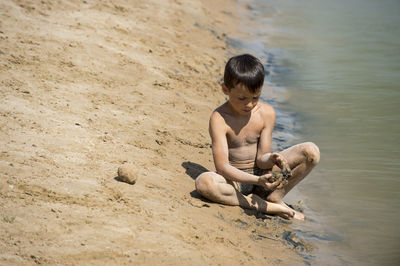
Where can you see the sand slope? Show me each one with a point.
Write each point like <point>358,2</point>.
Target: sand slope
<point>89,85</point>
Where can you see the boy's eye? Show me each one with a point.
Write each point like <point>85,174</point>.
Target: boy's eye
<point>255,98</point>
<point>242,98</point>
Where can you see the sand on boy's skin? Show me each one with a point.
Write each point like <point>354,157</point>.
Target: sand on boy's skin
<point>87,86</point>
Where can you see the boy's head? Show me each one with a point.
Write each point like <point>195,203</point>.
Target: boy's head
<point>243,79</point>
<point>246,70</point>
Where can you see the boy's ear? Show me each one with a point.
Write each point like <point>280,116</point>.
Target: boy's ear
<point>225,89</point>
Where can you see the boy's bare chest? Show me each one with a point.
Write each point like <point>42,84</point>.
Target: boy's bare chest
<point>244,136</point>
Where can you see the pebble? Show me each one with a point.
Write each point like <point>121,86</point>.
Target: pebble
<point>128,173</point>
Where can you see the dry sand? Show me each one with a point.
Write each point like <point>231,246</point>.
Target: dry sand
<point>89,85</point>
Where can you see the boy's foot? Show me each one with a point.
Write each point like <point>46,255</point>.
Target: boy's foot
<point>298,216</point>
<point>285,216</point>
<point>293,215</point>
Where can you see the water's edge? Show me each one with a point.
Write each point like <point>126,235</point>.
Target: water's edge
<point>334,81</point>
<point>286,131</point>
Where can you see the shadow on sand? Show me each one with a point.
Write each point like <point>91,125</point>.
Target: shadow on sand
<point>193,169</point>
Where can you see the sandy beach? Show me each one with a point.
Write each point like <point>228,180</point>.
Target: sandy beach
<point>89,85</point>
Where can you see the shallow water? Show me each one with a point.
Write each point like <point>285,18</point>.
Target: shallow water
<point>335,75</point>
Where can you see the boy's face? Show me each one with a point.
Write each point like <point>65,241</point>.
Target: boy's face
<point>241,99</point>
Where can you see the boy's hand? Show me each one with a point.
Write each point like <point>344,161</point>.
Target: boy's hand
<point>281,162</point>
<point>268,182</point>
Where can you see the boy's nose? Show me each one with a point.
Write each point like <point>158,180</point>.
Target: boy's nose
<point>249,104</point>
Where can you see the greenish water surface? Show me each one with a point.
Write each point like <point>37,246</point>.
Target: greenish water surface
<point>336,82</point>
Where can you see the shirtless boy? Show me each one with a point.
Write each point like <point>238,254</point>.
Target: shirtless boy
<point>241,133</point>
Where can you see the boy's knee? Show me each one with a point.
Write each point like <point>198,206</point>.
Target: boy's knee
<point>311,152</point>
<point>204,183</point>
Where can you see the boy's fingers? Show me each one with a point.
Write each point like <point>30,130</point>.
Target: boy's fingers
<point>279,160</point>
<point>286,172</point>
<point>282,183</point>
<point>276,184</point>
<point>275,157</point>
<point>264,181</point>
<point>272,185</point>
<point>286,166</point>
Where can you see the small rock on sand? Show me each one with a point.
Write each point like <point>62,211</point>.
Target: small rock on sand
<point>128,173</point>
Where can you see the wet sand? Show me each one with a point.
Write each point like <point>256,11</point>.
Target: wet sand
<point>87,86</point>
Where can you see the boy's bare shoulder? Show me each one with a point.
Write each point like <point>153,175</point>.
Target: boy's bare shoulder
<point>266,110</point>
<point>220,112</point>
<point>217,118</point>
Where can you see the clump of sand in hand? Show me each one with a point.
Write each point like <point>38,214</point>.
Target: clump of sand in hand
<point>127,173</point>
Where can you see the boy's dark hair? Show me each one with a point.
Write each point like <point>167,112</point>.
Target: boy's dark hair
<point>245,69</point>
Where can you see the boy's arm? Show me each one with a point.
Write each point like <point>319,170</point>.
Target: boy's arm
<point>265,159</point>
<point>220,151</point>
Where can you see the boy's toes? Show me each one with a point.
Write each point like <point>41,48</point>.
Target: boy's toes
<point>298,216</point>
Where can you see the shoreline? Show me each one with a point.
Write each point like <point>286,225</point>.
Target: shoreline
<point>89,86</point>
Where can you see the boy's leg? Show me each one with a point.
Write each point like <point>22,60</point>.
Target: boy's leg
<point>215,188</point>
<point>301,159</point>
